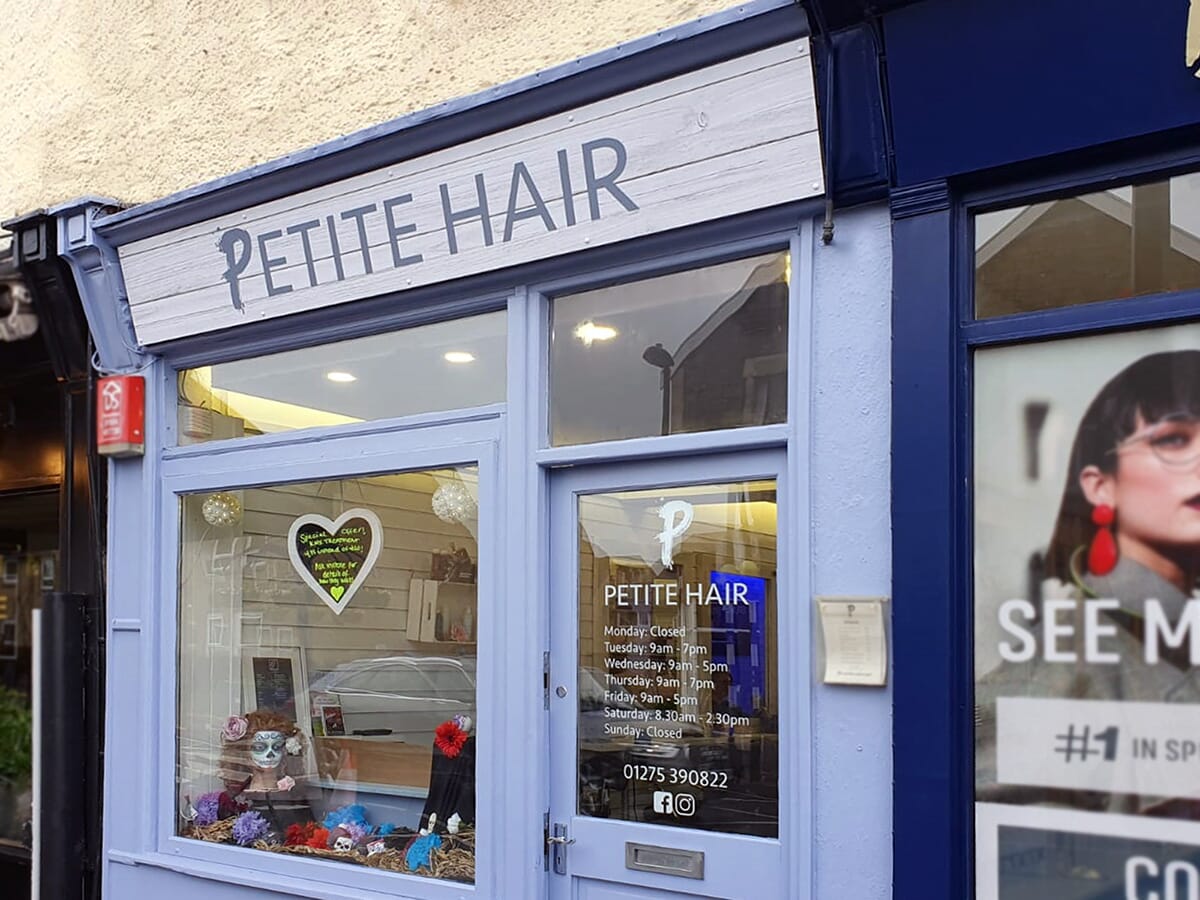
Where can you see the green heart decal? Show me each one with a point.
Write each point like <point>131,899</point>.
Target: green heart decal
<point>334,557</point>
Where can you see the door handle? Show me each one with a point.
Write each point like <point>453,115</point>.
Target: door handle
<point>559,841</point>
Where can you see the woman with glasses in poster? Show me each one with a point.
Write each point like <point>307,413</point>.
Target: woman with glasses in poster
<point>1128,531</point>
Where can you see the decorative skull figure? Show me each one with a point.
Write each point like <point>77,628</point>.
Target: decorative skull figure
<point>345,842</point>
<point>267,748</point>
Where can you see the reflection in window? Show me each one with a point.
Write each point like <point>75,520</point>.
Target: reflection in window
<point>678,679</point>
<point>327,670</point>
<point>429,368</point>
<point>28,567</point>
<point>1123,242</point>
<point>695,351</point>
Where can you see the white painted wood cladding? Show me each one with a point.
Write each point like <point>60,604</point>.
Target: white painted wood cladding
<point>731,138</point>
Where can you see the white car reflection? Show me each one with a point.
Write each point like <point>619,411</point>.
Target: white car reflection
<point>400,698</point>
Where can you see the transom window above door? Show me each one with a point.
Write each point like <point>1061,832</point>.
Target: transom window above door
<point>698,350</point>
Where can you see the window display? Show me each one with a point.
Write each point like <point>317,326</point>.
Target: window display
<point>327,670</point>
<point>1087,597</point>
<point>678,685</point>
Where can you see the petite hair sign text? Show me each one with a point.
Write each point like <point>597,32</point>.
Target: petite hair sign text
<point>343,237</point>
<point>671,593</point>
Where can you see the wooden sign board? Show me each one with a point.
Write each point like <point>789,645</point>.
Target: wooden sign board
<point>726,139</point>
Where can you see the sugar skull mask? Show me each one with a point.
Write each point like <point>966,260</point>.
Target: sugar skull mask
<point>266,749</point>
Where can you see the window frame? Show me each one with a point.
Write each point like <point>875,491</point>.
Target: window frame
<point>446,444</point>
<point>935,337</point>
<point>546,294</point>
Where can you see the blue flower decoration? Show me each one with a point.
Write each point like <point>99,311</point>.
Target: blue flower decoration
<point>418,852</point>
<point>354,814</point>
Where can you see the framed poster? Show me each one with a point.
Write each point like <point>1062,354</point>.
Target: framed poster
<point>276,678</point>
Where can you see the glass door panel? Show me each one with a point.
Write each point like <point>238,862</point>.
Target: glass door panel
<point>664,672</point>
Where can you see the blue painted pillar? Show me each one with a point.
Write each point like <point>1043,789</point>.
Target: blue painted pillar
<point>930,544</point>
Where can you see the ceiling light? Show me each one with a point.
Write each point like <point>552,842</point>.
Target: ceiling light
<point>589,331</point>
<point>458,356</point>
<point>341,377</point>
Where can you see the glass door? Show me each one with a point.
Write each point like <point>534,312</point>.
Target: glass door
<point>664,691</point>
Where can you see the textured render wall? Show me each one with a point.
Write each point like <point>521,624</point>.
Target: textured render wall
<point>852,545</point>
<point>136,99</point>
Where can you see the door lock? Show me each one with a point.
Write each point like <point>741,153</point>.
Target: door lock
<point>559,841</point>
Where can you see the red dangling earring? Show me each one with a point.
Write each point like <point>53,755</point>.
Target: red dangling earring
<point>1102,555</point>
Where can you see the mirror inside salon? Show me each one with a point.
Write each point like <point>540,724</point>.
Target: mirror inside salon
<point>456,364</point>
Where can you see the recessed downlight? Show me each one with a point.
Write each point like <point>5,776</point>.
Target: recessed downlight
<point>459,357</point>
<point>341,377</point>
<point>590,331</point>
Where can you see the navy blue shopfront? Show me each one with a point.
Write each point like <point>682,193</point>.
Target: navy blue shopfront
<point>1044,207</point>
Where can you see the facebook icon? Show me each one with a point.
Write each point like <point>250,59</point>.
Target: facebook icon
<point>664,803</point>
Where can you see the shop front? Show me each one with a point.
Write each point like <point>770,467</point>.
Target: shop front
<point>1046,376</point>
<point>471,552</point>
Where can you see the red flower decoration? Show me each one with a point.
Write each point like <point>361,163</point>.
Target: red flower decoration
<point>299,835</point>
<point>319,839</point>
<point>449,738</point>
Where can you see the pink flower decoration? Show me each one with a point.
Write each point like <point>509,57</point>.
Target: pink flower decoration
<point>286,783</point>
<point>234,728</point>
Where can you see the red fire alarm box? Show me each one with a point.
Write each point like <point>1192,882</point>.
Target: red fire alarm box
<point>121,416</point>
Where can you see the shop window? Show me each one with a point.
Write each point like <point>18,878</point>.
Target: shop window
<point>327,676</point>
<point>1123,242</point>
<point>429,368</point>
<point>1087,615</point>
<point>678,677</point>
<point>698,350</point>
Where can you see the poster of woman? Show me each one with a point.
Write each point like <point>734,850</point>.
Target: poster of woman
<point>1087,611</point>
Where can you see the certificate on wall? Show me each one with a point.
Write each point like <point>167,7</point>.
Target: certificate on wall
<point>855,640</point>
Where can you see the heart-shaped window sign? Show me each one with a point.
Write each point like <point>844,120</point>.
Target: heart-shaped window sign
<point>334,557</point>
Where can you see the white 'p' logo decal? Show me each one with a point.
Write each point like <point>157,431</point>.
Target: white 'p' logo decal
<point>677,517</point>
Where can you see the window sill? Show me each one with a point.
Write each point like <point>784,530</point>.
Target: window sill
<point>400,887</point>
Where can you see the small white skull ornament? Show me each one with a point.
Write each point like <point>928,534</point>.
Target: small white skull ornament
<point>345,842</point>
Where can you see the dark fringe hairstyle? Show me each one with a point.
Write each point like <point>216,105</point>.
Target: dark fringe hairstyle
<point>1153,388</point>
